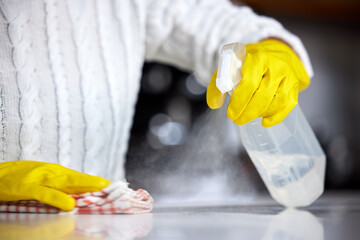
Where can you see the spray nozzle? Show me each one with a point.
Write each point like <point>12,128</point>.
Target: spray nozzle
<point>231,59</point>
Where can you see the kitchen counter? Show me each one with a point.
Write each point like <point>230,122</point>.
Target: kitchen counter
<point>334,216</point>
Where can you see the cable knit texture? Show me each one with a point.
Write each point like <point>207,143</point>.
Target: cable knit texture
<point>60,79</point>
<point>3,129</point>
<point>70,70</point>
<point>28,89</point>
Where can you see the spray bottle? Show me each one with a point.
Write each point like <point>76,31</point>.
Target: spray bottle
<point>287,156</point>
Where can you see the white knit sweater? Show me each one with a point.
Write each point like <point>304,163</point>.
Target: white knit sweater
<point>70,70</point>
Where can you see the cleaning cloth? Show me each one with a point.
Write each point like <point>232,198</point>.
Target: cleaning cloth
<point>116,198</point>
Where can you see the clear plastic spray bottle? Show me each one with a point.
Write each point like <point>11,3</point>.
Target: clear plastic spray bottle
<point>287,156</point>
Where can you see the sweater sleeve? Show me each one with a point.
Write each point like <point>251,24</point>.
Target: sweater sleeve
<point>190,33</point>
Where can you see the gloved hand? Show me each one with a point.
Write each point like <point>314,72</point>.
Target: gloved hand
<point>46,182</point>
<point>273,75</point>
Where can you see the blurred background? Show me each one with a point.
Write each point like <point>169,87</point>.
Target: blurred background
<point>179,148</point>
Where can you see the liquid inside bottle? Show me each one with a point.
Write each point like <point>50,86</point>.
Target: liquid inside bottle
<point>288,158</point>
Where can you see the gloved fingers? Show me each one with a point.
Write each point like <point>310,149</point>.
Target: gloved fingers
<point>260,101</point>
<point>19,168</point>
<point>59,177</point>
<point>51,197</point>
<point>73,182</point>
<point>252,74</point>
<point>278,117</point>
<point>281,106</point>
<point>214,97</point>
<point>286,91</point>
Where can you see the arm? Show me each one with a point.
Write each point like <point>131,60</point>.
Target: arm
<point>189,33</point>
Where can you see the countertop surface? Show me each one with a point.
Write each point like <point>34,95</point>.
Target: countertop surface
<point>335,215</point>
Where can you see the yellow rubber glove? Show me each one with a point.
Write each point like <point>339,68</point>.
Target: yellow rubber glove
<point>273,75</point>
<point>46,182</point>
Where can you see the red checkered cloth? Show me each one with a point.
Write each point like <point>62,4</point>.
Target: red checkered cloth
<point>116,198</point>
